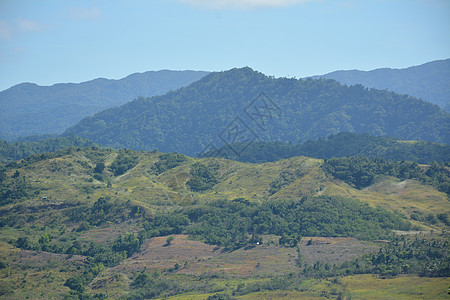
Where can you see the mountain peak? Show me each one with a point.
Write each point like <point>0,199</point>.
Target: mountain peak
<point>191,118</point>
<point>29,109</point>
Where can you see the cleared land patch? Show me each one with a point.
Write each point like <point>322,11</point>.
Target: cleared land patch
<point>333,250</point>
<point>156,253</point>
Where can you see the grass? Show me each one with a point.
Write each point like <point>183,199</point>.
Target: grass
<point>403,287</point>
<point>35,275</point>
<point>363,287</point>
<point>69,180</point>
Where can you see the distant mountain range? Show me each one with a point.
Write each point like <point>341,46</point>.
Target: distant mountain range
<point>29,109</point>
<point>242,106</point>
<point>430,81</point>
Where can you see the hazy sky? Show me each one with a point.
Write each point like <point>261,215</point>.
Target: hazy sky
<point>51,41</point>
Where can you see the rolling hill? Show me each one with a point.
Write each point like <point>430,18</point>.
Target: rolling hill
<point>94,222</point>
<point>210,112</point>
<point>29,109</point>
<point>430,81</point>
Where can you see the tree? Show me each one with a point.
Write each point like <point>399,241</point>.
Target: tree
<point>99,167</point>
<point>169,240</point>
<point>76,284</point>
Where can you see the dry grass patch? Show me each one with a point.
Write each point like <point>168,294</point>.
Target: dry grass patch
<point>157,254</point>
<point>260,260</point>
<point>333,250</point>
<point>403,287</point>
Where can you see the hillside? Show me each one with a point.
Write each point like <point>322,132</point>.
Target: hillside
<point>14,151</point>
<point>430,81</point>
<point>29,109</point>
<point>211,111</point>
<point>96,222</point>
<point>339,145</point>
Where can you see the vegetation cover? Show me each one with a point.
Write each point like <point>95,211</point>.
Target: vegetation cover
<point>430,81</point>
<point>339,145</point>
<point>363,171</point>
<point>29,109</point>
<point>91,223</point>
<point>290,110</point>
<point>14,151</point>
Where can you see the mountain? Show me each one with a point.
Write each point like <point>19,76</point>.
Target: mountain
<point>29,109</point>
<point>242,106</point>
<point>430,81</point>
<point>100,223</point>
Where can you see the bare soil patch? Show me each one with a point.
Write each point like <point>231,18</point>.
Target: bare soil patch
<point>259,260</point>
<point>108,234</point>
<point>333,250</point>
<point>269,259</point>
<point>157,254</point>
<point>41,259</point>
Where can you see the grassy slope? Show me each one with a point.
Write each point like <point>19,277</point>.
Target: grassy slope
<point>67,180</point>
<point>363,287</point>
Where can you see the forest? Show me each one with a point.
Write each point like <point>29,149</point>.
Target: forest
<point>339,145</point>
<point>35,145</point>
<point>264,108</point>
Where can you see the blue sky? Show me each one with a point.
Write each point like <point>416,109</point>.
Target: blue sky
<point>52,41</point>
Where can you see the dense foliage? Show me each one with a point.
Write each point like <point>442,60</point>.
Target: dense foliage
<point>123,162</point>
<point>168,161</point>
<point>18,150</point>
<point>341,145</point>
<point>189,119</point>
<point>429,81</point>
<point>202,178</point>
<point>233,223</point>
<point>363,171</point>
<point>29,109</point>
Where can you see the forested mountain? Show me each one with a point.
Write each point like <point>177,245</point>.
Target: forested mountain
<point>29,109</point>
<point>340,145</point>
<point>93,223</point>
<point>430,81</point>
<point>242,105</point>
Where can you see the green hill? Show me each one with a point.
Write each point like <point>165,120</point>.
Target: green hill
<point>29,109</point>
<point>90,222</point>
<point>430,81</point>
<point>211,111</point>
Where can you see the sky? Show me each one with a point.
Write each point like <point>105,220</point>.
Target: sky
<point>53,41</point>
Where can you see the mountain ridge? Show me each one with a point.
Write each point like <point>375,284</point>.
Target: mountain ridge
<point>429,81</point>
<point>189,119</point>
<point>30,109</point>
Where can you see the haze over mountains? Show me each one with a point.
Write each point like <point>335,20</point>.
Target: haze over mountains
<point>189,119</point>
<point>29,109</point>
<point>429,81</point>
